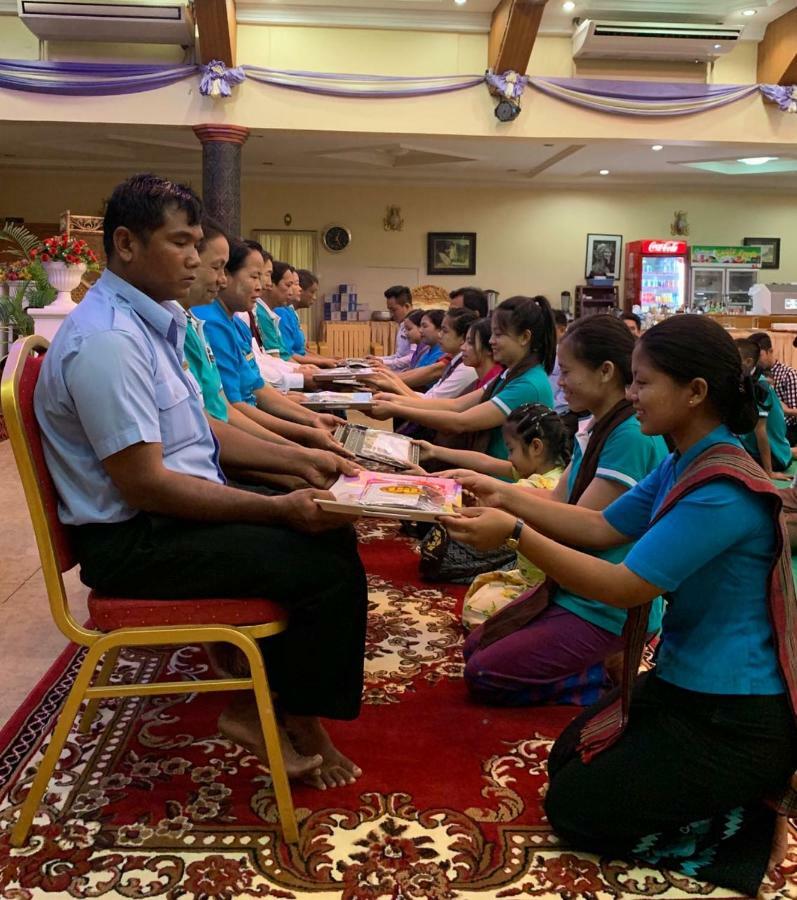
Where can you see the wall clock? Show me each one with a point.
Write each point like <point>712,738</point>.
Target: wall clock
<point>335,238</point>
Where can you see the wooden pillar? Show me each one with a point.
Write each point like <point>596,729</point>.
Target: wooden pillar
<point>513,30</point>
<point>221,173</point>
<point>777,52</point>
<point>215,21</point>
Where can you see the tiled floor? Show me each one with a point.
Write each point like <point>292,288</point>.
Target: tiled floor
<point>30,640</point>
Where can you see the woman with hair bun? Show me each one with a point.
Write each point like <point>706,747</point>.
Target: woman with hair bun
<point>686,766</point>
<point>524,340</point>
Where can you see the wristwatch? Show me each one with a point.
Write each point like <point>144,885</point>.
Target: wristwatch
<point>512,541</point>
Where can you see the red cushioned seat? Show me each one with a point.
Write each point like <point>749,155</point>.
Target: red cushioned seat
<point>110,613</point>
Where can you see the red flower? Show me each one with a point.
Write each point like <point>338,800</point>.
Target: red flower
<point>45,257</point>
<point>34,253</point>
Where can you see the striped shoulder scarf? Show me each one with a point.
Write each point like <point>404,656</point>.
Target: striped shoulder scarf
<point>719,461</point>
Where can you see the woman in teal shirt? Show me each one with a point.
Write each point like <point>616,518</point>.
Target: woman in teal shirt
<point>524,340</point>
<point>690,770</point>
<point>561,654</point>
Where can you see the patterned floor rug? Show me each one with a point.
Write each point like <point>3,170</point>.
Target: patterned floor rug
<point>154,804</point>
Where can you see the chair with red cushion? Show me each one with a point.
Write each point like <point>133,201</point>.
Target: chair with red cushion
<point>122,622</point>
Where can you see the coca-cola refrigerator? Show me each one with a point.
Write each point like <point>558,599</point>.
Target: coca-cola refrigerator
<point>655,276</point>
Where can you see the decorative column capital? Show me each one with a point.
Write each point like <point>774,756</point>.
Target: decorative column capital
<point>221,134</point>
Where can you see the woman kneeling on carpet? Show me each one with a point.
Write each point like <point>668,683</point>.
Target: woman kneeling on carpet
<point>705,745</point>
<point>520,657</point>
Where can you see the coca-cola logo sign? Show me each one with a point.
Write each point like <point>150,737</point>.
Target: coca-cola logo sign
<point>665,247</point>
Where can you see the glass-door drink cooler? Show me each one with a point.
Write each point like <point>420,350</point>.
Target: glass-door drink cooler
<point>722,277</point>
<point>655,276</point>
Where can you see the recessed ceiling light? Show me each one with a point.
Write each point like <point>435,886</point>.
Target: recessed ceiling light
<point>657,147</point>
<point>749,12</point>
<point>460,2</point>
<point>568,6</point>
<point>603,172</point>
<point>718,46</point>
<point>757,160</point>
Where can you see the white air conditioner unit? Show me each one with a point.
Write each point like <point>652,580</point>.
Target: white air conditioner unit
<point>56,20</point>
<point>652,40</point>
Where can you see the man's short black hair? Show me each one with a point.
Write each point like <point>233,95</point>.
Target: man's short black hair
<point>307,279</point>
<point>632,317</point>
<point>762,339</point>
<point>748,349</point>
<point>560,317</point>
<point>472,298</point>
<point>400,293</point>
<point>140,203</point>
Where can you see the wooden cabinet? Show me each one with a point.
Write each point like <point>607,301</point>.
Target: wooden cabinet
<point>591,300</point>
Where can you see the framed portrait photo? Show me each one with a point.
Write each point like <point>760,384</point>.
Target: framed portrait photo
<point>604,256</point>
<point>770,250</point>
<point>451,253</point>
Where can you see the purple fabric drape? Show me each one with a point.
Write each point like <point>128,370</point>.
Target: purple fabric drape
<point>85,79</point>
<point>642,98</point>
<point>339,85</point>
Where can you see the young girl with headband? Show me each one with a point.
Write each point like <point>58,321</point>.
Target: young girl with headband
<point>539,450</point>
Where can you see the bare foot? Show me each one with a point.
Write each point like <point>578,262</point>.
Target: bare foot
<point>780,843</point>
<point>240,723</point>
<point>309,736</point>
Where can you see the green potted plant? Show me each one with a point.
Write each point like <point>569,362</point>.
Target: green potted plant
<point>32,288</point>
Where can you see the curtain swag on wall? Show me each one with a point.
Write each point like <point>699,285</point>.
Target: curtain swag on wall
<point>631,98</point>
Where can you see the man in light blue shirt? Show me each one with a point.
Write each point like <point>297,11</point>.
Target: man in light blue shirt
<point>122,341</point>
<point>135,466</point>
<point>399,304</point>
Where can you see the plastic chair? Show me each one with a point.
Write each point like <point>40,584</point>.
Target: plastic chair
<point>124,622</point>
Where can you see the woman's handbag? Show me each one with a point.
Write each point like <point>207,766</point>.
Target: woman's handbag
<point>443,559</point>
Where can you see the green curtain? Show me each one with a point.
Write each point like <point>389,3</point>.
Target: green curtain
<point>299,249</point>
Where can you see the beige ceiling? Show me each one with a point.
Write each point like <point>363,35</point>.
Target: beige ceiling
<point>474,15</point>
<point>304,156</point>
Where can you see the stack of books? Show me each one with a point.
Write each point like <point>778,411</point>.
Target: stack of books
<point>344,305</point>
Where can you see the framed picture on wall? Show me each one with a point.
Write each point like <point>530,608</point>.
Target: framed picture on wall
<point>451,253</point>
<point>770,250</point>
<point>604,256</point>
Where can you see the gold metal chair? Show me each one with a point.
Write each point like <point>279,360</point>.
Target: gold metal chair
<point>124,622</point>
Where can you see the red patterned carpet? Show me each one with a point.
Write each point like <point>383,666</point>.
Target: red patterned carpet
<point>153,803</point>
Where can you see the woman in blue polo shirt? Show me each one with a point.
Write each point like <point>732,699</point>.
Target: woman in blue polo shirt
<point>689,771</point>
<point>524,340</point>
<point>231,342</point>
<point>229,337</point>
<point>560,654</point>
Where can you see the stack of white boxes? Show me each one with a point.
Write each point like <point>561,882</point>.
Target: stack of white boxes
<point>345,306</point>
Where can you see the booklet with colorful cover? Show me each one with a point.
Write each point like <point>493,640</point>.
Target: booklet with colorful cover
<point>419,498</point>
<point>342,372</point>
<point>337,400</point>
<point>380,446</point>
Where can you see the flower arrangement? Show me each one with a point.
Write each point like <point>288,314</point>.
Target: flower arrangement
<point>66,250</point>
<point>16,271</point>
